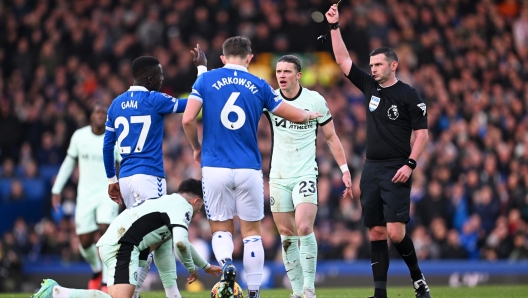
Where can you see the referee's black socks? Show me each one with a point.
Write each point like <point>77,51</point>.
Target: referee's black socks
<point>379,256</point>
<point>406,250</point>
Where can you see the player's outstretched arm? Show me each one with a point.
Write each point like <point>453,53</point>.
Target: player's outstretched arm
<point>189,256</point>
<point>339,155</point>
<point>338,45</point>
<point>190,127</point>
<point>295,115</point>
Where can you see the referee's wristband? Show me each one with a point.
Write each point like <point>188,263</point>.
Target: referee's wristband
<point>411,163</point>
<point>112,180</point>
<point>344,168</point>
<point>334,26</point>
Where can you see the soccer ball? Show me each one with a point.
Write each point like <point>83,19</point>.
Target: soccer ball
<point>237,294</point>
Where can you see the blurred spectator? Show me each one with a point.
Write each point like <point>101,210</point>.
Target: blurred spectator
<point>8,168</point>
<point>17,191</point>
<point>452,248</point>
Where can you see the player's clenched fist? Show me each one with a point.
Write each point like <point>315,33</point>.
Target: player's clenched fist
<point>332,15</point>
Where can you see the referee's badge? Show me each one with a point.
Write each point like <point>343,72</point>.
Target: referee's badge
<point>374,103</point>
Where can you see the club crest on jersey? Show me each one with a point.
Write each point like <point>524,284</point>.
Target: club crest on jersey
<point>374,103</point>
<point>393,112</point>
<point>188,217</point>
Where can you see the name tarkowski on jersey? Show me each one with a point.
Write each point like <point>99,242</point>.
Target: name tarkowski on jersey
<point>235,81</point>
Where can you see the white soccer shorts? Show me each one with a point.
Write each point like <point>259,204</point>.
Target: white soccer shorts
<point>230,192</point>
<point>140,187</point>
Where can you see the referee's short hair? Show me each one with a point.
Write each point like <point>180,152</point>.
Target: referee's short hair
<point>291,59</point>
<point>192,187</point>
<point>388,52</point>
<point>143,65</point>
<point>237,46</point>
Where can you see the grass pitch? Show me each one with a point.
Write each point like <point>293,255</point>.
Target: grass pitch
<point>506,291</point>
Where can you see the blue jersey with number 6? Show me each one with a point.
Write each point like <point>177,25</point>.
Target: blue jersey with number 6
<point>233,101</point>
<point>135,121</point>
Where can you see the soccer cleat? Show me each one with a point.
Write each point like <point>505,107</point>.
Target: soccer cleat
<point>309,293</point>
<point>227,288</point>
<point>95,281</point>
<point>421,289</point>
<point>254,294</point>
<point>46,289</point>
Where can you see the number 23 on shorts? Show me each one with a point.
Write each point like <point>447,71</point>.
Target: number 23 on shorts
<point>305,188</point>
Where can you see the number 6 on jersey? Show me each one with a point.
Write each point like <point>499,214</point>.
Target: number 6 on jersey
<point>231,107</point>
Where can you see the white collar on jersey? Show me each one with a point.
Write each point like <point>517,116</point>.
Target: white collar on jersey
<point>235,66</point>
<point>138,88</point>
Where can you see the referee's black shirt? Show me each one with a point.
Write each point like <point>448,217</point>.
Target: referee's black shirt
<point>392,114</point>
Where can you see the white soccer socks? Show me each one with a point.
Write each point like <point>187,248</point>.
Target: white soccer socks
<point>60,292</point>
<point>292,263</point>
<point>253,261</point>
<point>92,257</point>
<point>308,259</point>
<point>166,264</point>
<point>223,246</point>
<point>143,270</point>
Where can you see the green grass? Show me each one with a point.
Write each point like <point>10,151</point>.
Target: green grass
<point>394,292</point>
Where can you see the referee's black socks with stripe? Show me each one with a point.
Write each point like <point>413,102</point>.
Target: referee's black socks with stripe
<point>379,256</point>
<point>406,250</point>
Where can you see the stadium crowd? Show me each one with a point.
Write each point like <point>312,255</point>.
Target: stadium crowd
<point>468,59</point>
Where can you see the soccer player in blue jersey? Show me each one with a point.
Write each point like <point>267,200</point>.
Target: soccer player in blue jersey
<point>135,121</point>
<point>233,101</point>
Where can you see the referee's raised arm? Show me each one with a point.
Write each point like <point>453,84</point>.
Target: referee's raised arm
<point>340,51</point>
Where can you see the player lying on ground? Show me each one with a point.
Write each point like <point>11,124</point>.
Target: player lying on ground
<point>151,222</point>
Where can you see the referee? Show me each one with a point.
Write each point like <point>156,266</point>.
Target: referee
<point>394,111</point>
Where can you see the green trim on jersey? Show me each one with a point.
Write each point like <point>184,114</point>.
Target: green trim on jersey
<point>293,145</point>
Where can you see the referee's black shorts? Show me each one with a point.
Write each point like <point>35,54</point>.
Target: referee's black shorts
<point>382,200</point>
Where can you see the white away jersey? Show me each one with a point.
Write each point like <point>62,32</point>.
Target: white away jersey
<point>86,147</point>
<point>149,222</point>
<point>293,151</point>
